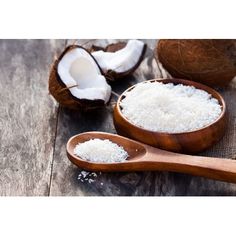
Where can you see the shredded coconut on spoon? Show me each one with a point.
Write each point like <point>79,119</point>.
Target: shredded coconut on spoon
<point>101,151</point>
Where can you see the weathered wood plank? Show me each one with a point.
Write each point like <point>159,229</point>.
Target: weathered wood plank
<point>180,184</point>
<point>27,116</point>
<point>65,175</point>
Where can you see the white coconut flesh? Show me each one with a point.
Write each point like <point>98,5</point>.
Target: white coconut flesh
<point>77,67</point>
<point>122,60</point>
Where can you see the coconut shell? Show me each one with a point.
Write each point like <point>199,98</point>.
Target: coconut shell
<point>110,74</point>
<point>211,62</point>
<point>95,48</point>
<point>62,95</point>
<point>109,48</point>
<point>115,47</point>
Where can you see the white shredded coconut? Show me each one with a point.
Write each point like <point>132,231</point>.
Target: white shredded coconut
<point>86,176</point>
<point>169,108</point>
<point>98,150</point>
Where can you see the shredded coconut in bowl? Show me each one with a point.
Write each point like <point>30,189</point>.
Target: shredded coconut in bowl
<point>169,108</point>
<point>101,151</point>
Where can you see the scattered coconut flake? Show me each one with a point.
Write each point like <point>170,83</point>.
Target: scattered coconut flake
<point>169,108</point>
<point>86,176</point>
<point>98,150</point>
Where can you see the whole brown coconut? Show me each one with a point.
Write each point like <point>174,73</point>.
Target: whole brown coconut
<point>211,62</point>
<point>61,93</point>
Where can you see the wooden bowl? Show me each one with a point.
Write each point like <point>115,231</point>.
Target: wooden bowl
<point>186,142</point>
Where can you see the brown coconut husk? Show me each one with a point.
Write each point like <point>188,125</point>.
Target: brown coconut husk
<point>110,74</point>
<point>109,48</point>
<point>95,48</point>
<point>62,94</point>
<point>211,62</point>
<point>115,47</point>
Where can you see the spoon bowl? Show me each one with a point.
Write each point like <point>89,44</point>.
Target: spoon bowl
<point>187,142</point>
<point>134,149</point>
<point>143,157</point>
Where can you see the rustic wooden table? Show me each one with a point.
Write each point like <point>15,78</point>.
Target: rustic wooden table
<point>34,131</point>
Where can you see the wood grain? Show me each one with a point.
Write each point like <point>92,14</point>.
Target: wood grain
<point>27,117</point>
<point>142,157</point>
<point>185,142</point>
<point>28,120</point>
<point>65,175</point>
<point>181,184</point>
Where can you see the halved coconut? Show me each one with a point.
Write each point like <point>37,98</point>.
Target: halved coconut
<point>121,59</point>
<point>76,80</point>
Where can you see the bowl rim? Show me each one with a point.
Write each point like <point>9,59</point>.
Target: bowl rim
<point>176,81</point>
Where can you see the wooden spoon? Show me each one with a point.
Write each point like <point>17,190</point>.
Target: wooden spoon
<point>143,157</point>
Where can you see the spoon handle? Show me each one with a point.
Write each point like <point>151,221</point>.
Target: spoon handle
<point>210,167</point>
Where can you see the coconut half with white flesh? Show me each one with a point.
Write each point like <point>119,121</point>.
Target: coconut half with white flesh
<point>76,81</point>
<point>121,59</point>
